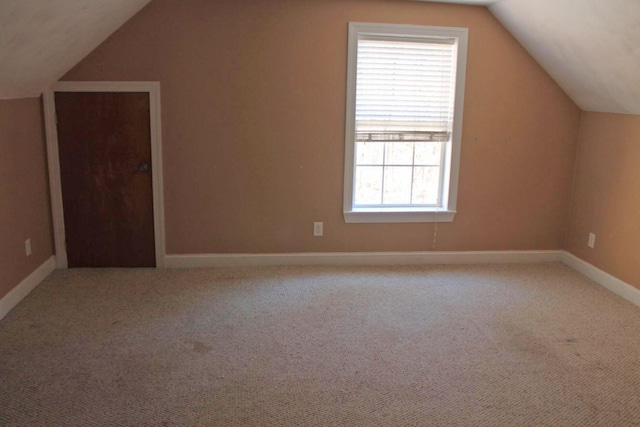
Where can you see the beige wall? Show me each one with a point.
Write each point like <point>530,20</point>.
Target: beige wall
<point>606,198</point>
<point>253,110</point>
<point>24,197</point>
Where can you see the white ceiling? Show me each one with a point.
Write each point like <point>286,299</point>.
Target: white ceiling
<point>40,40</point>
<point>590,47</point>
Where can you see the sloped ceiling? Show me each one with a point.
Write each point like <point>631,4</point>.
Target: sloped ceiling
<point>40,40</point>
<point>590,47</point>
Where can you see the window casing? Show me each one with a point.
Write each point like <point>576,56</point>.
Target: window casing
<point>405,93</point>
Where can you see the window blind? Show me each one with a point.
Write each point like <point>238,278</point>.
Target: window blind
<point>405,89</point>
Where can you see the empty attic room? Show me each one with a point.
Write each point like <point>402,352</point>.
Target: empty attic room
<point>319,212</point>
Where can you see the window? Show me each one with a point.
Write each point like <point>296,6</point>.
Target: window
<point>405,92</point>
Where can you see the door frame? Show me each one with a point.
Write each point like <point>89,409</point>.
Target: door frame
<point>53,158</point>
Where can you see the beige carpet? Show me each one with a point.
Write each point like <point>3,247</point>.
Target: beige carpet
<point>513,345</point>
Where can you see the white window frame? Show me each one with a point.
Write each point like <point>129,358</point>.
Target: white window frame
<point>446,212</point>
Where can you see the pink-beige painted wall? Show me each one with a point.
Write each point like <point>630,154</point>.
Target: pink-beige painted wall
<point>24,192</point>
<point>253,111</point>
<point>606,197</point>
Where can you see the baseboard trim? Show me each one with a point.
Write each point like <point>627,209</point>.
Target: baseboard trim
<point>619,287</point>
<point>23,289</point>
<point>601,277</point>
<point>612,283</point>
<point>360,258</point>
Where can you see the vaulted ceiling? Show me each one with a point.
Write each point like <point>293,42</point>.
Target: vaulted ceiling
<point>590,47</point>
<point>40,40</point>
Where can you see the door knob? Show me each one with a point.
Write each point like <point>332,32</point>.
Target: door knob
<point>144,167</point>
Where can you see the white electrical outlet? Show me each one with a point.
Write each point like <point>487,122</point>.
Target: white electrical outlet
<point>592,240</point>
<point>318,229</point>
<point>27,247</point>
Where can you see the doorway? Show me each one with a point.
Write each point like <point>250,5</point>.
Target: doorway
<point>105,167</point>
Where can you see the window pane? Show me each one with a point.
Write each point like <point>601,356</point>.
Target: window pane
<point>402,85</point>
<point>368,188</point>
<point>397,185</point>
<point>428,153</point>
<point>426,183</point>
<point>399,153</point>
<point>369,153</point>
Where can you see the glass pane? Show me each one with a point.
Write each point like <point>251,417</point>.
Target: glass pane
<point>399,153</point>
<point>369,153</point>
<point>426,185</point>
<point>428,153</point>
<point>397,185</point>
<point>368,188</point>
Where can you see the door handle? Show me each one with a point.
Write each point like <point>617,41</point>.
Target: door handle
<point>144,167</point>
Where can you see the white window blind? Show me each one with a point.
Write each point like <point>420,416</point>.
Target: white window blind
<point>405,89</point>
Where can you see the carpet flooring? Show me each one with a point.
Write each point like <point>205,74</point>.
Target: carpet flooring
<point>489,345</point>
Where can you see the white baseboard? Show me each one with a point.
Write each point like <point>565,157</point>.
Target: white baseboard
<point>615,285</point>
<point>619,287</point>
<point>23,289</point>
<point>360,258</point>
<point>625,290</point>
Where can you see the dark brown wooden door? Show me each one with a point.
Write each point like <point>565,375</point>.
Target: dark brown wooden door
<point>104,142</point>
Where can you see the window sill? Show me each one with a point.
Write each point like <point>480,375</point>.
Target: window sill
<point>397,215</point>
